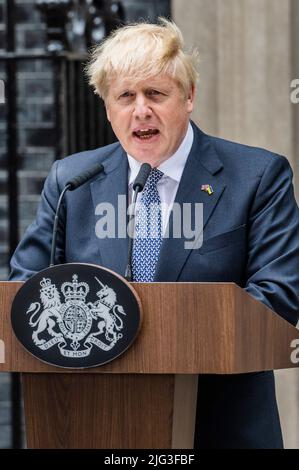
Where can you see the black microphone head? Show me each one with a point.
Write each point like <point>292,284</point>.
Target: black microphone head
<point>78,180</point>
<point>142,176</point>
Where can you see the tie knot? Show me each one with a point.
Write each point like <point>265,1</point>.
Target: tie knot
<point>154,176</point>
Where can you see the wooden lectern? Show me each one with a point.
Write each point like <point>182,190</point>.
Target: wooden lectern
<point>146,398</point>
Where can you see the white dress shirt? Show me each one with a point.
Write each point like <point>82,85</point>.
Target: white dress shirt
<point>172,168</point>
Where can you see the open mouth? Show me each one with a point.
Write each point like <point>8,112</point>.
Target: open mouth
<point>146,134</point>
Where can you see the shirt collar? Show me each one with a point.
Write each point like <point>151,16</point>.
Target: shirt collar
<point>174,166</point>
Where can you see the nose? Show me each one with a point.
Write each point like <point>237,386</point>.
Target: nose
<point>142,109</point>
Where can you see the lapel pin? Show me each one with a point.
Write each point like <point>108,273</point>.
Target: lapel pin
<point>207,188</point>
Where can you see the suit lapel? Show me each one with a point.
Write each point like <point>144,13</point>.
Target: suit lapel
<point>202,167</point>
<point>112,183</point>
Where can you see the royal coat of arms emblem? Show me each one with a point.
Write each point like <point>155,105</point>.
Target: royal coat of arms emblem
<point>74,315</point>
<point>70,323</point>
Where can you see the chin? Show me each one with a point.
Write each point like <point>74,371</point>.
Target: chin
<point>146,157</point>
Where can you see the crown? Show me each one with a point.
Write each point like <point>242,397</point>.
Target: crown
<point>45,283</point>
<point>75,290</point>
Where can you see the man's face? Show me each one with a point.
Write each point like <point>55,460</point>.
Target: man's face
<point>149,117</point>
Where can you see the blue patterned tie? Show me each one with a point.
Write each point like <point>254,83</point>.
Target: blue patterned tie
<point>148,231</point>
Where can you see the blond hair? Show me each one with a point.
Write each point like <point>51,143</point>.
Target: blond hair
<point>139,51</point>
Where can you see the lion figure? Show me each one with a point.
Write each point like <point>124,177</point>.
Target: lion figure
<point>46,319</point>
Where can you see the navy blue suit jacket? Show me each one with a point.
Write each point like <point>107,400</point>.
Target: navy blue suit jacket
<point>250,237</point>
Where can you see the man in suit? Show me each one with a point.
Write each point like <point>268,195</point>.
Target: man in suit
<point>251,220</point>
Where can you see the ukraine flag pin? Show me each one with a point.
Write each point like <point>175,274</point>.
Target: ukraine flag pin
<point>207,188</point>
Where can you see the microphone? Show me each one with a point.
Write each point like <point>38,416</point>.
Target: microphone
<point>141,178</point>
<point>78,180</point>
<point>71,185</point>
<point>138,186</point>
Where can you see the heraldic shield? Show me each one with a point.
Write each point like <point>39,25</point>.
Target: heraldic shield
<point>76,315</point>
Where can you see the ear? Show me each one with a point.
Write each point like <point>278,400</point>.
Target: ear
<point>190,99</point>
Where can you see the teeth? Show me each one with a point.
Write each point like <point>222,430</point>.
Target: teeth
<point>146,132</point>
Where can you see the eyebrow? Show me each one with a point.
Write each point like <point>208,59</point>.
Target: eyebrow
<point>164,88</point>
<point>157,87</point>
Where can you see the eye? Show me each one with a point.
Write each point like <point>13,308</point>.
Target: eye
<point>153,92</point>
<point>126,94</point>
